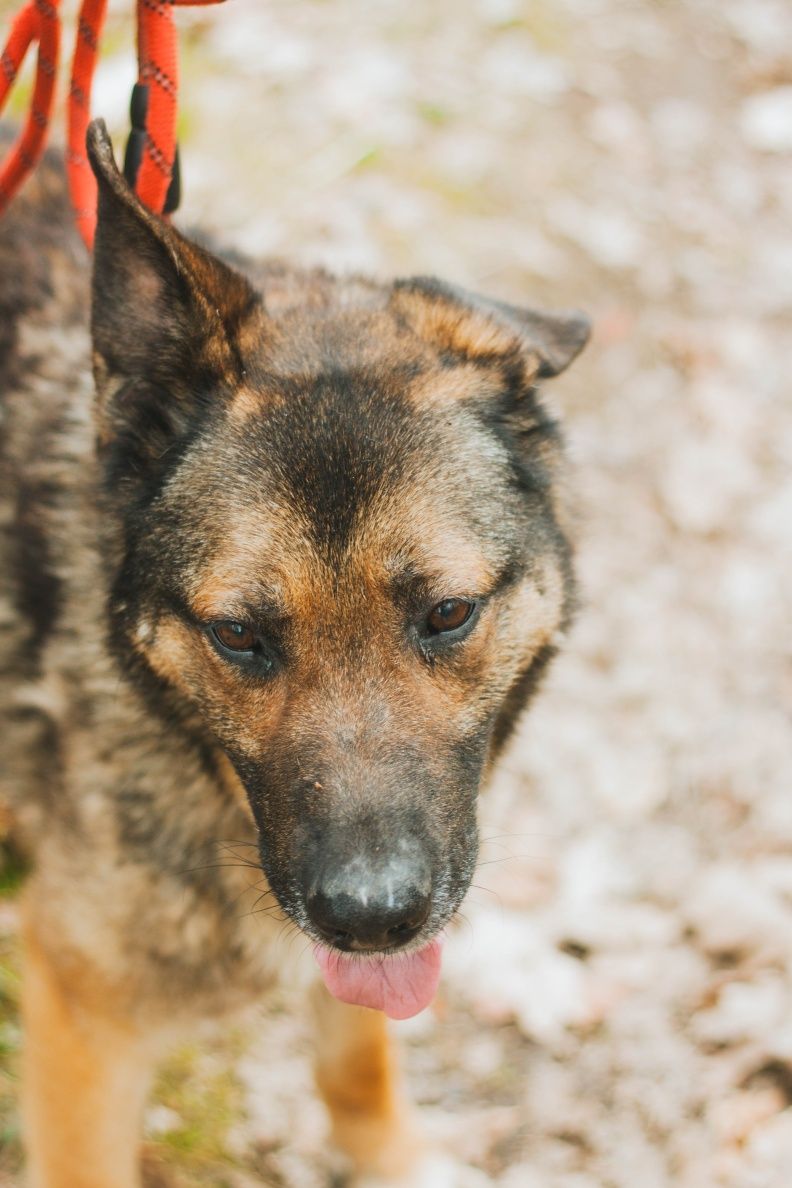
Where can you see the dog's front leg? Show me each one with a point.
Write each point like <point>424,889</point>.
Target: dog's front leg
<point>357,1075</point>
<point>85,1077</point>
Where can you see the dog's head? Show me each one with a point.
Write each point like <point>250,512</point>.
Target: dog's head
<point>335,539</point>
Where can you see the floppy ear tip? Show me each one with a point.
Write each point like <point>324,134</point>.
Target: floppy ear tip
<point>579,327</point>
<point>571,331</point>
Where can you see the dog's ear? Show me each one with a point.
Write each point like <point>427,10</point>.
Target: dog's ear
<point>479,329</point>
<point>166,314</point>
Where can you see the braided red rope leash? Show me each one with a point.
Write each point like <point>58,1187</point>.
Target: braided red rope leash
<point>38,21</point>
<point>158,83</point>
<point>158,62</point>
<point>82,183</point>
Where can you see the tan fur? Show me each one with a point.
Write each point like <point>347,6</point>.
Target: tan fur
<point>358,1077</point>
<point>444,390</point>
<point>466,332</point>
<point>245,405</point>
<point>86,1074</point>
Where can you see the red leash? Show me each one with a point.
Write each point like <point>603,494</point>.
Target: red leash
<point>151,162</point>
<point>38,21</point>
<point>82,183</point>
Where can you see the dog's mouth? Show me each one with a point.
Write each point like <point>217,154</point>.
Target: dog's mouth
<point>375,919</point>
<point>401,983</point>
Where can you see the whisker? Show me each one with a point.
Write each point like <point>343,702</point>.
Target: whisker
<point>256,911</point>
<point>263,895</point>
<point>238,896</point>
<point>221,866</point>
<point>465,922</point>
<point>532,833</point>
<point>489,890</point>
<point>295,933</point>
<point>272,910</point>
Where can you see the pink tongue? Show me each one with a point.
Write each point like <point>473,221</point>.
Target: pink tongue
<point>401,985</point>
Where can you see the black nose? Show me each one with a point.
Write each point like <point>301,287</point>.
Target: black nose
<point>363,906</point>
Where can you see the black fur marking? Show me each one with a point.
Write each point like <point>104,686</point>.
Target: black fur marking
<point>335,443</point>
<point>38,587</point>
<point>518,697</point>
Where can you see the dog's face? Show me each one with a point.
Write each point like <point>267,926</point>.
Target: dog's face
<point>334,537</point>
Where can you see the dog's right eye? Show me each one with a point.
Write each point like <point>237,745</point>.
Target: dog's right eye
<point>243,646</point>
<point>233,636</point>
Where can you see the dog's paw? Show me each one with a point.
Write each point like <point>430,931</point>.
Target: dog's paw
<point>433,1170</point>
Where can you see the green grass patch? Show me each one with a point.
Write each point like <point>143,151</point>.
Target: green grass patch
<point>10,1044</point>
<point>13,869</point>
<point>370,156</point>
<point>202,1090</point>
<point>434,113</point>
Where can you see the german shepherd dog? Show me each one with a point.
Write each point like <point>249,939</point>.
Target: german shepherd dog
<point>284,573</point>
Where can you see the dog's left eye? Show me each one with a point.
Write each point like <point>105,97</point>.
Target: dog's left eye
<point>449,615</point>
<point>236,637</point>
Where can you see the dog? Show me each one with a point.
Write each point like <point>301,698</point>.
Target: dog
<point>284,557</point>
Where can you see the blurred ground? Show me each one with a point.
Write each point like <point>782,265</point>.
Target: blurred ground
<point>617,1005</point>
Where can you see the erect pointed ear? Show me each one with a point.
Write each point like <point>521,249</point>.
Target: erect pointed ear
<point>165,312</point>
<point>483,330</point>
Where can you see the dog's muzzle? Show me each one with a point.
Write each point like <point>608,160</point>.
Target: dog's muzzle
<point>372,901</point>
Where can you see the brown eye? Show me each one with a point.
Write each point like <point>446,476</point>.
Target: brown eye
<point>234,636</point>
<point>449,614</point>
